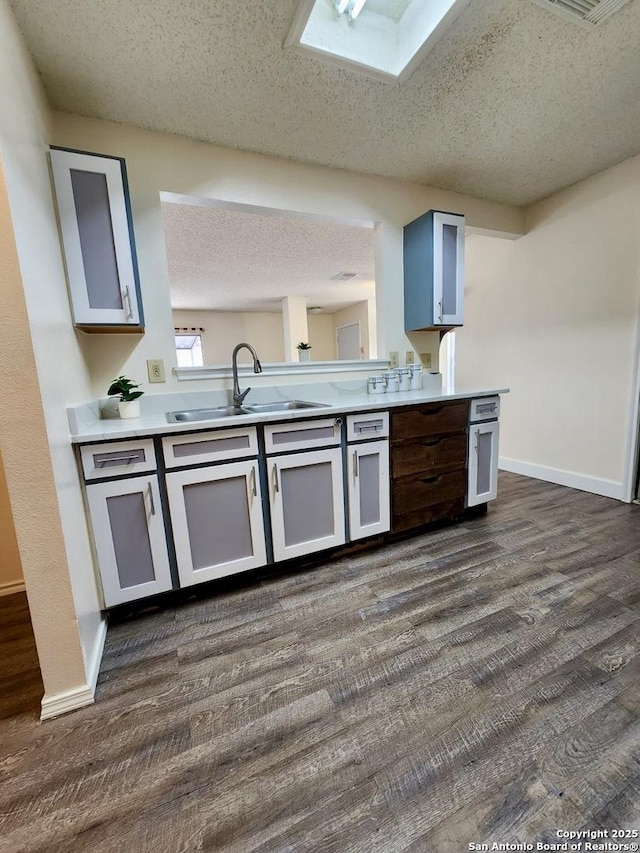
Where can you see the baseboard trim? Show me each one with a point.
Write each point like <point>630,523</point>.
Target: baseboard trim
<point>11,587</point>
<point>595,485</point>
<point>78,697</point>
<point>67,700</point>
<point>93,666</point>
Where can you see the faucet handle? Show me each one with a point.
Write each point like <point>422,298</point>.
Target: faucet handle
<point>242,396</point>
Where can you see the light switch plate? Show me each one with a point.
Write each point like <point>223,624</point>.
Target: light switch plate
<point>425,358</point>
<point>155,370</point>
<point>409,356</point>
<point>394,359</point>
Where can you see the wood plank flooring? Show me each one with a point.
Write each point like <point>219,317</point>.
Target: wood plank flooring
<point>476,684</point>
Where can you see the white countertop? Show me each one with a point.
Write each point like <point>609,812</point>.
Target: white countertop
<point>339,398</point>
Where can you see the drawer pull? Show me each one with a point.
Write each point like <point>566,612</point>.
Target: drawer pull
<point>135,457</point>
<point>431,412</point>
<point>433,443</point>
<point>430,480</point>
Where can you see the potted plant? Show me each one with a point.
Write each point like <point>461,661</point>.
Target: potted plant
<point>304,353</point>
<point>128,406</point>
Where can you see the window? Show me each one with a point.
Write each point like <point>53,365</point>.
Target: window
<point>189,350</point>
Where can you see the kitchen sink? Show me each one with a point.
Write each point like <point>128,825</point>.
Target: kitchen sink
<point>283,406</point>
<point>215,414</point>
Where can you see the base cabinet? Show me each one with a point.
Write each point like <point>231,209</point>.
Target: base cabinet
<point>216,514</point>
<point>368,479</point>
<point>306,497</point>
<point>483,463</point>
<point>129,537</point>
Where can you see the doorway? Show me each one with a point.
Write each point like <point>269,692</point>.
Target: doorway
<point>348,342</point>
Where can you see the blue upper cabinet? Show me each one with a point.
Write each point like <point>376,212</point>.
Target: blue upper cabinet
<point>97,236</point>
<point>433,271</point>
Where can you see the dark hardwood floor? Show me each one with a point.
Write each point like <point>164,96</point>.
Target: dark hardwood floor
<point>476,684</point>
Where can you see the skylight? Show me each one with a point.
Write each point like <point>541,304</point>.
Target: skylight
<point>382,38</point>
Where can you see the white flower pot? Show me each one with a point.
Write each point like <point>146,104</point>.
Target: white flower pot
<point>129,409</point>
<point>304,355</point>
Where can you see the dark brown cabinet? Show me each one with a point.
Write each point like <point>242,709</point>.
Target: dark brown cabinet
<point>428,463</point>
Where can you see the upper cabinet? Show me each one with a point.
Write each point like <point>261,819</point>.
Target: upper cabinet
<point>433,271</point>
<point>97,235</point>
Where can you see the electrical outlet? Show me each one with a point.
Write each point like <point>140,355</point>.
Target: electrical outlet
<point>409,356</point>
<point>425,358</point>
<point>394,359</point>
<point>155,369</point>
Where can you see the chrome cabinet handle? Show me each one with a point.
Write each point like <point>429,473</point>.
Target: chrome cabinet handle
<point>151,501</point>
<point>337,423</point>
<point>254,486</point>
<point>276,484</point>
<point>133,458</point>
<point>355,463</point>
<point>127,296</point>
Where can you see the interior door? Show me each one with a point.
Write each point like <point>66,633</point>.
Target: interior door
<point>348,340</point>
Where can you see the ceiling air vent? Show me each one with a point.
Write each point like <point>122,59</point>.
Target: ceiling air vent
<point>588,13</point>
<point>344,276</point>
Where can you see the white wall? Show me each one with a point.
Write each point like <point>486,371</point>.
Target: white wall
<point>40,468</point>
<point>158,162</point>
<point>224,329</point>
<point>321,337</point>
<point>554,315</point>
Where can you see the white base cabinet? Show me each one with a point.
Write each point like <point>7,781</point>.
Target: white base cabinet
<point>129,537</point>
<point>306,496</point>
<point>483,463</point>
<point>216,513</point>
<point>368,478</point>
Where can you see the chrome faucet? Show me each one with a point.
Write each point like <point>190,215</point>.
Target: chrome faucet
<point>238,397</point>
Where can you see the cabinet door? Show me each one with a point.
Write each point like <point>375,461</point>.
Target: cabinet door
<point>217,520</point>
<point>307,502</point>
<point>129,537</point>
<point>368,489</point>
<point>97,236</point>
<point>483,463</point>
<point>448,269</point>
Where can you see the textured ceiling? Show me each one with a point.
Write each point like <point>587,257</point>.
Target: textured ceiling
<point>222,260</point>
<point>512,104</point>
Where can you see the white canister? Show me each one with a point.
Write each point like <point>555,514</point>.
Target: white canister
<point>404,379</point>
<point>376,385</point>
<point>416,377</point>
<point>392,381</point>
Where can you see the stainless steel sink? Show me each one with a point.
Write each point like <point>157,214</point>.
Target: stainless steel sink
<point>205,414</point>
<point>283,406</point>
<point>232,411</point>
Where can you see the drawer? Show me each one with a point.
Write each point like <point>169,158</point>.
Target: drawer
<point>431,419</point>
<point>214,446</point>
<point>445,453</point>
<point>302,435</point>
<point>368,426</point>
<point>117,457</point>
<point>446,511</point>
<point>426,489</point>
<point>484,409</point>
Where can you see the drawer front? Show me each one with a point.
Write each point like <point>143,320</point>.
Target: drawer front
<point>425,490</point>
<point>484,409</point>
<point>302,435</point>
<point>446,511</point>
<point>445,453</point>
<point>100,461</point>
<point>214,446</point>
<point>433,419</point>
<point>367,426</point>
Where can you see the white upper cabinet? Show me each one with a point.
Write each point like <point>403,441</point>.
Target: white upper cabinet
<point>433,271</point>
<point>97,236</point>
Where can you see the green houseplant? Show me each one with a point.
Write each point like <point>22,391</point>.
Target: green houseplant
<point>304,353</point>
<point>125,389</point>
